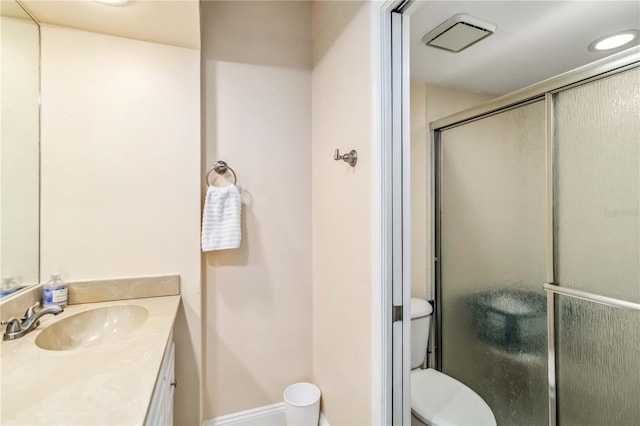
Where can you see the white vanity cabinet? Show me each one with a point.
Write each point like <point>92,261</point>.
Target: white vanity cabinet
<point>161,408</point>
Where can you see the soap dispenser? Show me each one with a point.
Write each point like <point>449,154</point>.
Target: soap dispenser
<point>55,291</point>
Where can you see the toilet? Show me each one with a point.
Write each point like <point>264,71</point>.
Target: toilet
<point>437,399</point>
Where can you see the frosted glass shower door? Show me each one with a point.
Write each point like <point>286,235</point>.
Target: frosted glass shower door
<point>493,261</point>
<point>597,250</point>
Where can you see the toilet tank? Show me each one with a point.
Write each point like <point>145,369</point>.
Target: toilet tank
<point>420,316</point>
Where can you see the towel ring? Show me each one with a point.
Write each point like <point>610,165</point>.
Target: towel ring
<point>220,167</point>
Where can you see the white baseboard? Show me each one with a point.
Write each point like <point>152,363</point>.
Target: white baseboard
<point>268,415</point>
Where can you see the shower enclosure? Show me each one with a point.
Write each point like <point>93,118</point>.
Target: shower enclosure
<point>537,215</point>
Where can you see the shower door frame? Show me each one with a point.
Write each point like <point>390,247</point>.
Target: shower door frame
<point>544,90</point>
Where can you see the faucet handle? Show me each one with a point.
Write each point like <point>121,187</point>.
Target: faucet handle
<point>13,325</point>
<point>31,310</point>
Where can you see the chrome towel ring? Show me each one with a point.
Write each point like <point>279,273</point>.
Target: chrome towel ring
<point>220,167</point>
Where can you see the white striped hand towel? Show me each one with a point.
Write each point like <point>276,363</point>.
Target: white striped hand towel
<point>221,218</point>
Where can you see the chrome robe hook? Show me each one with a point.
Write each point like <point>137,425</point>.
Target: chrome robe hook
<point>349,157</point>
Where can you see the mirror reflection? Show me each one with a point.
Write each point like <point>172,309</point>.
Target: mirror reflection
<point>19,148</point>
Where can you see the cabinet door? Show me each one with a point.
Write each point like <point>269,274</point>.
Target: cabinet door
<point>171,384</point>
<point>161,408</point>
<point>157,411</point>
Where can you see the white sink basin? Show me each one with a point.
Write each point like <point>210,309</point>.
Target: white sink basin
<point>93,327</point>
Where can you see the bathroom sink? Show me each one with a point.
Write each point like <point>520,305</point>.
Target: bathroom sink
<point>93,327</point>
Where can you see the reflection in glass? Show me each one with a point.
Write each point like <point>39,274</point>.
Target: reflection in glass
<point>598,364</point>
<point>597,249</point>
<point>19,148</point>
<point>493,198</point>
<point>597,187</point>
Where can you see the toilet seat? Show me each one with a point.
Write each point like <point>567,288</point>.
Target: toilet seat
<point>437,399</point>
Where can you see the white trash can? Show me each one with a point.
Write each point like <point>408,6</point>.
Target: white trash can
<point>302,404</point>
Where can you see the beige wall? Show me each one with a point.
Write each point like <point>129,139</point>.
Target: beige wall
<point>342,255</point>
<point>257,112</point>
<point>19,149</point>
<point>428,103</point>
<point>420,146</point>
<point>121,172</point>
<point>443,101</point>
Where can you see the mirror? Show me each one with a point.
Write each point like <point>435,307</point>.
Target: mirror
<point>19,148</point>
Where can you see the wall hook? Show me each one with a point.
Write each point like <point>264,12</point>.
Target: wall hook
<point>349,157</point>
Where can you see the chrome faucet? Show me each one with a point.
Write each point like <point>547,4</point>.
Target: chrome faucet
<point>17,328</point>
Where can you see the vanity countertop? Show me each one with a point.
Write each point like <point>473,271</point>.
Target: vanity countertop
<point>107,384</point>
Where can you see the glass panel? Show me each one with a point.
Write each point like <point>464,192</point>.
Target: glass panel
<point>597,187</point>
<point>598,364</point>
<point>493,203</point>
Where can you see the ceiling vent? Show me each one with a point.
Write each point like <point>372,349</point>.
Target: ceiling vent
<point>458,32</point>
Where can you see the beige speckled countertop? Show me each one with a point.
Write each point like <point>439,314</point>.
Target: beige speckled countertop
<point>107,384</point>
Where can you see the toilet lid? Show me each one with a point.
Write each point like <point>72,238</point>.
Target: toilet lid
<point>437,399</point>
<point>420,308</point>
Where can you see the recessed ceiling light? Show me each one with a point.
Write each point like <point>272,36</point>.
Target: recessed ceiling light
<point>615,41</point>
<point>112,2</point>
